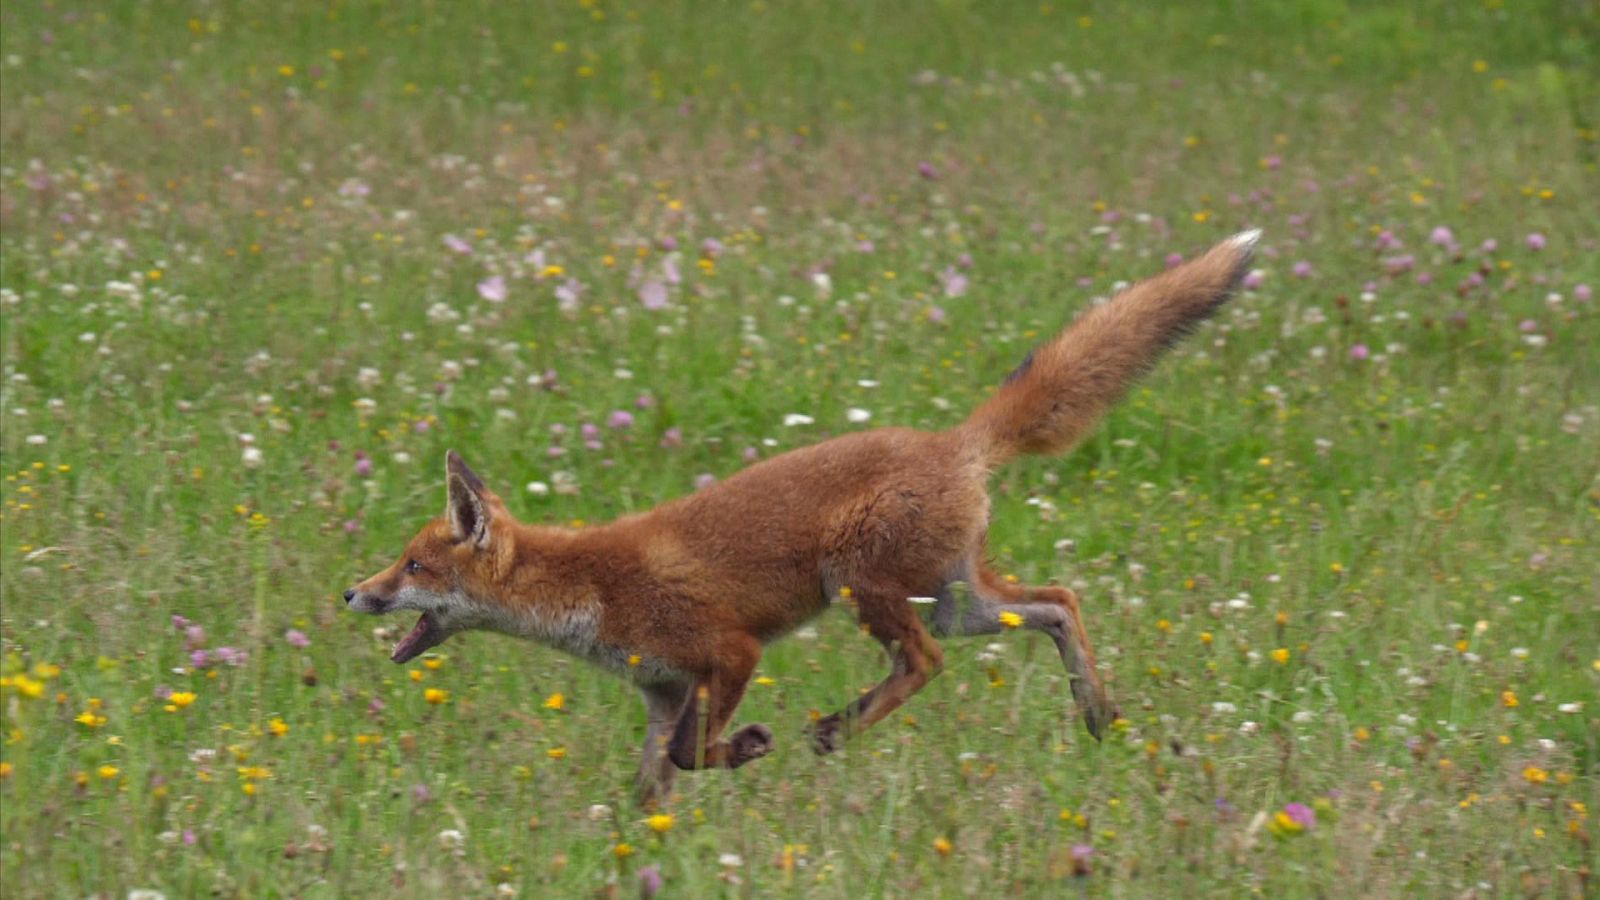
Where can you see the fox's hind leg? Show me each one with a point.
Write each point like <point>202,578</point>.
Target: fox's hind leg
<point>888,616</point>
<point>998,603</point>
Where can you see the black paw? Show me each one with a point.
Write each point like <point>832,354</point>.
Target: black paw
<point>827,735</point>
<point>749,743</point>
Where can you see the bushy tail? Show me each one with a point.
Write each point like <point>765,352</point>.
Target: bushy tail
<point>1063,387</point>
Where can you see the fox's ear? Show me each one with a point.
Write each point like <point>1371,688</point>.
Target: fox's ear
<point>466,509</point>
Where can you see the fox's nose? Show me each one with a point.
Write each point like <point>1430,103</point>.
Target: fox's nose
<point>349,595</point>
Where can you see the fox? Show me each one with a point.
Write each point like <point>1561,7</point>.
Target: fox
<point>682,600</point>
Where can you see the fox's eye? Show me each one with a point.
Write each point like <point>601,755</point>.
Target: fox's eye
<point>413,567</point>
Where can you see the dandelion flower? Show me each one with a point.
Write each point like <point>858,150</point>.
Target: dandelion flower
<point>436,695</point>
<point>1010,619</point>
<point>660,823</point>
<point>942,846</point>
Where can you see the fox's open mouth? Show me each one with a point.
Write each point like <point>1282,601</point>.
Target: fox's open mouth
<point>425,635</point>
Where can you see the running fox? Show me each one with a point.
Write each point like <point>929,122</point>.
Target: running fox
<point>682,599</point>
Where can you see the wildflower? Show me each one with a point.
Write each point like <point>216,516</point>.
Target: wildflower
<point>1081,855</point>
<point>5,770</point>
<point>1010,619</point>
<point>650,880</point>
<point>108,772</point>
<point>436,695</point>
<point>277,727</point>
<point>457,245</point>
<point>555,701</point>
<point>857,415</point>
<point>622,850</point>
<point>493,289</point>
<point>1535,241</point>
<point>653,294</point>
<point>181,699</point>
<point>1535,775</point>
<point>942,846</point>
<point>1281,656</point>
<point>926,170</point>
<point>1254,279</point>
<point>90,719</point>
<point>556,753</point>
<point>1302,269</point>
<point>620,419</point>
<point>1359,352</point>
<point>1508,699</point>
<point>452,840</point>
<point>660,823</point>
<point>296,638</point>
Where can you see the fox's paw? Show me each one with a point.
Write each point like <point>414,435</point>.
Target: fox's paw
<point>827,735</point>
<point>750,743</point>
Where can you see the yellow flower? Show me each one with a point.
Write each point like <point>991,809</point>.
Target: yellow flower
<point>180,699</point>
<point>623,850</point>
<point>1281,655</point>
<point>942,846</point>
<point>1205,637</point>
<point>414,674</point>
<point>555,701</point>
<point>1535,775</point>
<point>27,687</point>
<point>433,662</point>
<point>660,823</point>
<point>109,771</point>
<point>1509,699</point>
<point>5,770</point>
<point>1010,620</point>
<point>278,727</point>
<point>1163,626</point>
<point>556,753</point>
<point>88,718</point>
<point>435,695</point>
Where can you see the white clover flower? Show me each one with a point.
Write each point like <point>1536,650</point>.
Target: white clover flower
<point>793,419</point>
<point>252,457</point>
<point>857,415</point>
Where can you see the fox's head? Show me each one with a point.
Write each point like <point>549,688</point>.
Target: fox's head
<point>446,570</point>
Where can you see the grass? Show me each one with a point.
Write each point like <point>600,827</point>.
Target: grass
<point>1339,550</point>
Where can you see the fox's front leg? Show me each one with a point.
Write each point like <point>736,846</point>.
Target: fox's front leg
<point>663,705</point>
<point>696,741</point>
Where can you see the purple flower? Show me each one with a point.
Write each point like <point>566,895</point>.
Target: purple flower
<point>189,837</point>
<point>926,170</point>
<point>704,480</point>
<point>163,692</point>
<point>711,247</point>
<point>1387,240</point>
<point>1528,326</point>
<point>179,622</point>
<point>1395,265</point>
<point>1442,237</point>
<point>1582,293</point>
<point>1302,269</point>
<point>354,187</point>
<point>669,271</point>
<point>199,659</point>
<point>457,245</point>
<point>955,283</point>
<point>1424,278</point>
<point>1302,815</point>
<point>964,260</point>
<point>1535,241</point>
<point>420,793</point>
<point>233,656</point>
<point>1254,279</point>
<point>375,707</point>
<point>750,454</point>
<point>421,426</point>
<point>568,293</point>
<point>493,289</point>
<point>1490,245</point>
<point>935,314</point>
<point>672,438</point>
<point>351,526</point>
<point>589,431</point>
<point>1081,856</point>
<point>650,880</point>
<point>1174,260</point>
<point>296,638</point>
<point>653,294</point>
<point>645,401</point>
<point>620,419</point>
<point>1274,162</point>
<point>1359,351</point>
<point>865,246</point>
<point>363,464</point>
<point>194,636</point>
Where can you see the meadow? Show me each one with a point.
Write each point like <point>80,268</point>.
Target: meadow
<point>262,263</point>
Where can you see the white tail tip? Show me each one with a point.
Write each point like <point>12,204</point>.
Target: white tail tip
<point>1246,240</point>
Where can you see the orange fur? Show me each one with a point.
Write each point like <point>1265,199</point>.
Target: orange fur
<point>682,599</point>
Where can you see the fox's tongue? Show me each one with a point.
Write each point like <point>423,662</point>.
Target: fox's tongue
<point>422,637</point>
